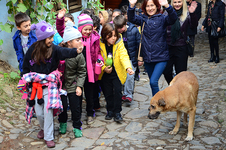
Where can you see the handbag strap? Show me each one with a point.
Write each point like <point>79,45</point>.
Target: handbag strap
<point>141,39</point>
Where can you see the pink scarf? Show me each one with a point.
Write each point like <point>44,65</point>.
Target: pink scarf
<point>88,60</point>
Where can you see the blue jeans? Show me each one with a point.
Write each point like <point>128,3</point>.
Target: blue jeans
<point>155,70</point>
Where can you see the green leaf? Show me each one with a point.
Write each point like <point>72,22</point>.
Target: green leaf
<point>44,2</point>
<point>6,28</point>
<point>1,42</point>
<point>32,15</point>
<point>43,17</point>
<point>21,8</point>
<point>14,1</point>
<point>1,51</point>
<point>14,75</point>
<point>50,6</point>
<point>11,18</point>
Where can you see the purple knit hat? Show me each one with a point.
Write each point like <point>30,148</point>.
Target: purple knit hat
<point>43,30</point>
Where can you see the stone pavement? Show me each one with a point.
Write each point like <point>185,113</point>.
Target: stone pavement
<point>137,131</point>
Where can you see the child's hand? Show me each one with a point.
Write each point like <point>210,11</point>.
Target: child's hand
<point>61,13</point>
<point>130,71</point>
<point>80,49</point>
<point>78,91</point>
<point>101,63</point>
<point>108,69</point>
<point>140,63</point>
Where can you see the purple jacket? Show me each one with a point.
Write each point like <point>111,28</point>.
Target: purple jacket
<point>191,20</point>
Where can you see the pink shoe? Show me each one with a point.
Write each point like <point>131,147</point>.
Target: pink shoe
<point>123,98</point>
<point>128,99</point>
<point>50,144</point>
<point>40,134</point>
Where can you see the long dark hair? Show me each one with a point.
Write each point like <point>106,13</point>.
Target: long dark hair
<point>106,32</point>
<point>41,52</point>
<point>156,2</point>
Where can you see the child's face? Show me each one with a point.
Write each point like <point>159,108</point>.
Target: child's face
<point>25,28</point>
<point>121,30</point>
<point>87,30</point>
<point>49,41</point>
<point>111,40</point>
<point>67,19</point>
<point>101,19</point>
<point>114,15</point>
<point>75,43</point>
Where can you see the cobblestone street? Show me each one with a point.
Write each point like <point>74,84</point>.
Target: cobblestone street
<point>137,131</point>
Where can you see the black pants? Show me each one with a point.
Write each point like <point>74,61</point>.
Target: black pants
<point>178,58</point>
<point>75,103</point>
<point>96,100</point>
<point>112,89</point>
<point>213,44</point>
<point>91,93</point>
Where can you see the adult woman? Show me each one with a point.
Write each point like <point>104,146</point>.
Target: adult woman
<point>216,10</point>
<point>154,47</point>
<point>177,36</point>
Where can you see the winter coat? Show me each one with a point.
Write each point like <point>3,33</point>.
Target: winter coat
<point>58,53</point>
<point>18,47</point>
<point>75,73</point>
<point>121,59</point>
<point>193,31</point>
<point>133,41</point>
<point>154,47</point>
<point>190,20</point>
<point>60,26</point>
<point>216,15</point>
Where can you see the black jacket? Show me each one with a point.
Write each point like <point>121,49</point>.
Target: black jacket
<point>193,31</point>
<point>133,39</point>
<point>58,53</point>
<point>216,15</point>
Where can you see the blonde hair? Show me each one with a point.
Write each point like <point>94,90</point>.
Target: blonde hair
<point>185,10</point>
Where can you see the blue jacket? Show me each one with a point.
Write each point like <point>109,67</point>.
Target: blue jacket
<point>133,40</point>
<point>18,47</point>
<point>154,47</point>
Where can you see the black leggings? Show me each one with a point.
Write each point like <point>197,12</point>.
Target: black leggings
<point>213,44</point>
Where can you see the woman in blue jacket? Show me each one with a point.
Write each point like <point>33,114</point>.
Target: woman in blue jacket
<point>216,11</point>
<point>154,48</point>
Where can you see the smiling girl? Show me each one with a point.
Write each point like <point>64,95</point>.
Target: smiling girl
<point>91,52</point>
<point>154,47</point>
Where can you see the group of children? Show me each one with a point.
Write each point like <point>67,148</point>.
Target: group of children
<point>71,65</point>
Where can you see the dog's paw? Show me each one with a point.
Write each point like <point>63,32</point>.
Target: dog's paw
<point>173,132</point>
<point>189,138</point>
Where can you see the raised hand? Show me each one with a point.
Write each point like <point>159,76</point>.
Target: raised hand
<point>164,3</point>
<point>193,7</point>
<point>61,13</point>
<point>132,3</point>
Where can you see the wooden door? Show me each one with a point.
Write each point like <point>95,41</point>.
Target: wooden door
<point>111,3</point>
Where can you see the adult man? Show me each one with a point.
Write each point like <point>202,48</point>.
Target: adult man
<point>193,31</point>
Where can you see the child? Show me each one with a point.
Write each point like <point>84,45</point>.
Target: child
<point>91,53</point>
<point>131,39</point>
<point>61,21</point>
<point>103,15</point>
<point>115,13</point>
<point>42,58</point>
<point>75,74</point>
<point>96,23</point>
<point>112,77</point>
<point>23,38</point>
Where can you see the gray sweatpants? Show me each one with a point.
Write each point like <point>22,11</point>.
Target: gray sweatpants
<point>129,84</point>
<point>45,118</point>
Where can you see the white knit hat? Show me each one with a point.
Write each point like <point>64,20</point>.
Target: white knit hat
<point>70,32</point>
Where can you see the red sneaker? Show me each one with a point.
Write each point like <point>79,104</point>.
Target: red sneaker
<point>40,134</point>
<point>128,99</point>
<point>50,144</point>
<point>123,98</point>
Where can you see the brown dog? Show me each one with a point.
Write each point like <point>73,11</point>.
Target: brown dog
<point>180,96</point>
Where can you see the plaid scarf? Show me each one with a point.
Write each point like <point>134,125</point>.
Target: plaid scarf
<point>209,20</point>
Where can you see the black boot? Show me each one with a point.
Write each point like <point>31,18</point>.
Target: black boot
<point>217,60</point>
<point>212,58</point>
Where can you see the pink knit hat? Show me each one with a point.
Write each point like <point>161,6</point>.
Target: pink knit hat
<point>84,20</point>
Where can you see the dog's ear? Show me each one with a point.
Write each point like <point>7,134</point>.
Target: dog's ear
<point>161,102</point>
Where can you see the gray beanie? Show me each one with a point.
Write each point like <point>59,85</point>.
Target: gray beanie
<point>70,32</point>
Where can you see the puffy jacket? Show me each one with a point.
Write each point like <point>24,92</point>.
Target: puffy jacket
<point>154,47</point>
<point>18,47</point>
<point>75,73</point>
<point>191,20</point>
<point>120,59</point>
<point>133,40</point>
<point>216,15</point>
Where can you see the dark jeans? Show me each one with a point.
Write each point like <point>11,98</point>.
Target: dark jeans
<point>91,93</point>
<point>112,89</point>
<point>155,70</point>
<point>96,100</point>
<point>178,59</point>
<point>75,103</point>
<point>213,44</point>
